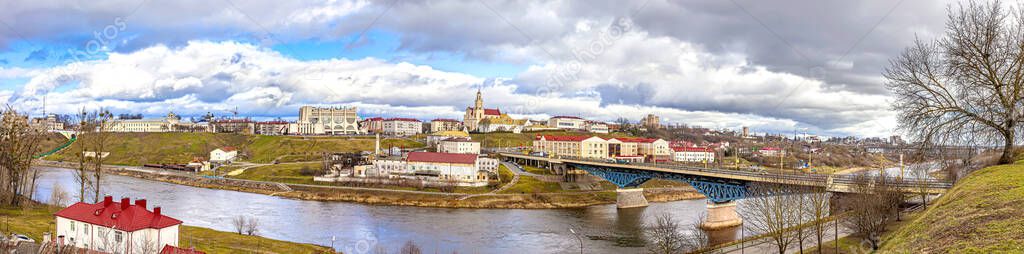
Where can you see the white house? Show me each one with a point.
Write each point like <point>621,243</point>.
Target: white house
<point>693,154</point>
<point>223,155</point>
<point>116,227</point>
<point>458,145</point>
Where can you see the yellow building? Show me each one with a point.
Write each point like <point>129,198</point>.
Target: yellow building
<point>477,113</point>
<point>572,146</point>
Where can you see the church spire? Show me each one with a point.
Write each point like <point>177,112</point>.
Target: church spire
<point>479,100</point>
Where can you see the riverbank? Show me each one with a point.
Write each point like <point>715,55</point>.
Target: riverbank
<point>574,199</point>
<point>38,219</point>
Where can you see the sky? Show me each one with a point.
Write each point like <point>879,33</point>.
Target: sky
<point>777,67</point>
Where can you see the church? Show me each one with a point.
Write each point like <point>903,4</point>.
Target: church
<point>477,113</point>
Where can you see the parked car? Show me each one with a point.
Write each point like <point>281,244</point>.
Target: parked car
<point>21,238</point>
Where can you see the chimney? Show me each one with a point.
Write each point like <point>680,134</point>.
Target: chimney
<point>125,202</point>
<point>107,200</point>
<point>141,203</point>
<point>156,211</point>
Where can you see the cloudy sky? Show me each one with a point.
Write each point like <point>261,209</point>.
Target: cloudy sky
<point>775,66</point>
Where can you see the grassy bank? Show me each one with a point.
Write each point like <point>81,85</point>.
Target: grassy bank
<point>171,148</point>
<point>33,222</point>
<point>981,214</point>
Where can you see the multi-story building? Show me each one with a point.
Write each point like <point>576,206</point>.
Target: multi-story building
<point>597,127</point>
<point>331,120</point>
<point>649,148</point>
<point>478,113</point>
<point>651,121</point>
<point>568,123</point>
<point>433,168</point>
<point>434,138</point>
<point>571,146</point>
<point>439,125</point>
<point>772,151</point>
<point>48,123</point>
<point>165,124</point>
<point>372,125</point>
<point>458,145</point>
<point>272,128</point>
<point>238,125</point>
<point>693,154</point>
<point>116,227</point>
<point>402,126</point>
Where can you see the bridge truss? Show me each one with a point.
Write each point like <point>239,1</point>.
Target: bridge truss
<point>717,190</point>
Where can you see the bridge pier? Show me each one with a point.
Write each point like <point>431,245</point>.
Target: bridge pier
<point>721,215</point>
<point>630,198</point>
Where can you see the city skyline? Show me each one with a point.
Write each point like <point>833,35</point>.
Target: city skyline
<point>736,64</point>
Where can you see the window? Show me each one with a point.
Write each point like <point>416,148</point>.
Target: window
<point>118,237</point>
<point>72,227</point>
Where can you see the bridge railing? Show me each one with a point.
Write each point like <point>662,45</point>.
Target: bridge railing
<point>793,176</point>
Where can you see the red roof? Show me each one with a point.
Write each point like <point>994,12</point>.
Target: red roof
<point>227,148</point>
<point>492,111</point>
<point>175,250</point>
<point>444,120</point>
<point>442,157</point>
<point>562,138</point>
<point>128,217</point>
<point>402,119</point>
<point>692,149</point>
<point>637,140</point>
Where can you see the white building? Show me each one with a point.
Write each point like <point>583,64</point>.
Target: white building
<point>436,168</point>
<point>693,154</point>
<point>326,120</point>
<point>402,126</point>
<point>597,127</point>
<point>116,227</point>
<point>223,155</point>
<point>435,138</point>
<point>145,125</point>
<point>458,145</point>
<point>568,123</point>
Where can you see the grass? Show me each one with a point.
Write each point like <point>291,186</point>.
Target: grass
<point>529,184</point>
<point>177,148</point>
<point>981,214</point>
<point>283,173</point>
<point>536,170</point>
<point>505,174</point>
<point>34,222</point>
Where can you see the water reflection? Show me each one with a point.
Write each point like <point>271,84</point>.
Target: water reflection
<point>360,228</point>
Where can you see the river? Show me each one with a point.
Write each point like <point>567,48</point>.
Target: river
<point>359,228</point>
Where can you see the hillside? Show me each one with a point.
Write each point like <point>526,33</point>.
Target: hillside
<point>981,214</point>
<point>143,148</point>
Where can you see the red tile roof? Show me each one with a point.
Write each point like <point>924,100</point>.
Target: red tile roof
<point>442,157</point>
<point>691,149</point>
<point>175,250</point>
<point>228,148</point>
<point>562,138</point>
<point>374,119</point>
<point>637,140</point>
<point>492,111</point>
<point>127,217</point>
<point>402,119</point>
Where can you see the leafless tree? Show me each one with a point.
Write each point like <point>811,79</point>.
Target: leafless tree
<point>867,214</point>
<point>100,140</point>
<point>696,237</point>
<point>664,235</point>
<point>817,208</point>
<point>82,175</point>
<point>889,192</point>
<point>252,226</point>
<point>410,248</point>
<point>968,85</point>
<point>58,197</point>
<point>18,144</point>
<point>239,222</point>
<point>769,211</point>
<point>919,172</point>
<point>146,245</point>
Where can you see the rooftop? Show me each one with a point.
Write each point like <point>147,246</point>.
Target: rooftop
<point>562,138</point>
<point>402,119</point>
<point>442,157</point>
<point>119,215</point>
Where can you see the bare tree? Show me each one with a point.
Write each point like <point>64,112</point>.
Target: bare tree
<point>239,222</point>
<point>817,208</point>
<point>664,235</point>
<point>82,176</point>
<point>18,144</point>
<point>920,174</point>
<point>103,121</point>
<point>768,211</point>
<point>967,84</point>
<point>58,197</point>
<point>696,237</point>
<point>867,214</point>
<point>252,226</point>
<point>146,245</point>
<point>410,247</point>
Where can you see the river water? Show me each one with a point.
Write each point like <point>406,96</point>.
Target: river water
<point>359,228</point>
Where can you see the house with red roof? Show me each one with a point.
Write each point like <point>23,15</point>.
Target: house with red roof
<point>116,227</point>
<point>693,154</point>
<point>571,146</point>
<point>431,168</point>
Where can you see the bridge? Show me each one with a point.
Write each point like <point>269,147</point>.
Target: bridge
<point>721,186</point>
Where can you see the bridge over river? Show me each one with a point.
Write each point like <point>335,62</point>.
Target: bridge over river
<point>721,186</point>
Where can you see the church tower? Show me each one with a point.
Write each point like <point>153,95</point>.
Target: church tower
<point>478,108</point>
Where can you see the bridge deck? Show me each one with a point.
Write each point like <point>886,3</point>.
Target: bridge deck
<point>837,183</point>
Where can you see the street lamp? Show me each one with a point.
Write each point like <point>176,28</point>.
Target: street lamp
<point>573,231</point>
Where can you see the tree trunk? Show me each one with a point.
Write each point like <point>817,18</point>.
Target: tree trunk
<point>1007,156</point>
